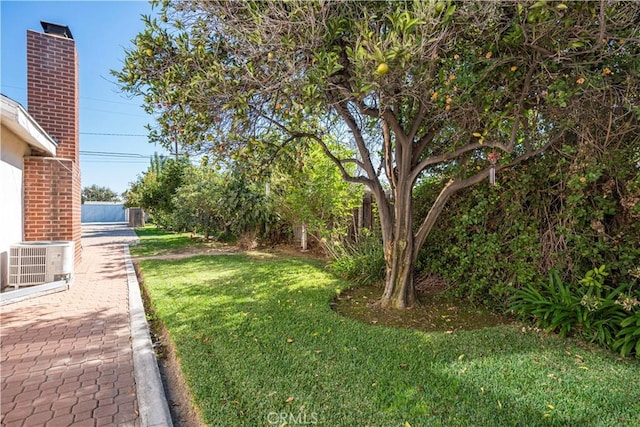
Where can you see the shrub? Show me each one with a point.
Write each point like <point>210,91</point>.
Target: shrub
<point>553,307</point>
<point>573,209</point>
<point>591,310</point>
<point>361,261</point>
<point>628,338</point>
<point>486,242</point>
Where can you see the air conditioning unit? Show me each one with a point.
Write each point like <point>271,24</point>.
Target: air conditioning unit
<point>35,263</point>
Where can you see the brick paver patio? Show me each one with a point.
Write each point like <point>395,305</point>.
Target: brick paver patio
<point>66,358</point>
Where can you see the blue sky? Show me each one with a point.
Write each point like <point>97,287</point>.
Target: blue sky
<point>101,30</point>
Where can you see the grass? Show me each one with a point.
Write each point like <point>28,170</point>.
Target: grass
<point>157,242</point>
<point>259,345</point>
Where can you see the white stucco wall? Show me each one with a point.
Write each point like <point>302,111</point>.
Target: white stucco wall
<point>12,152</point>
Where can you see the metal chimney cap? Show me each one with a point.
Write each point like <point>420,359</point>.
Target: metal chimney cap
<point>56,29</point>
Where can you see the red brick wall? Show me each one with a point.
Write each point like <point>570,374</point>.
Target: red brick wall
<point>52,89</point>
<point>52,188</point>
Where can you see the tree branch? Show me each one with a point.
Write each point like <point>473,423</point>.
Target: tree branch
<point>417,122</point>
<point>360,143</point>
<point>388,158</point>
<point>339,162</point>
<point>523,95</point>
<point>455,185</point>
<point>422,143</point>
<point>432,160</point>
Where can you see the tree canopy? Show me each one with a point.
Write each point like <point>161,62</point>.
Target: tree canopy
<point>444,89</point>
<point>97,193</point>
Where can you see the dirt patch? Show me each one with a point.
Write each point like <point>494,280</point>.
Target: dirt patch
<point>284,250</point>
<point>314,252</point>
<point>434,313</point>
<point>188,253</point>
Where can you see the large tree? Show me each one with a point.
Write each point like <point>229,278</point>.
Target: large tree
<point>416,88</point>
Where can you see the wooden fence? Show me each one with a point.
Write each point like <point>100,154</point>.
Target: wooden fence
<point>362,217</point>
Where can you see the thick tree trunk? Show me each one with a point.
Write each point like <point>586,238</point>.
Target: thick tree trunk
<point>399,290</point>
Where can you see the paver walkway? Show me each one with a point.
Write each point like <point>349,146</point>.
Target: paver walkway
<point>66,358</point>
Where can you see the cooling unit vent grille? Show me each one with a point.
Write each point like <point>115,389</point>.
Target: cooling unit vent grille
<point>34,263</point>
<point>28,266</point>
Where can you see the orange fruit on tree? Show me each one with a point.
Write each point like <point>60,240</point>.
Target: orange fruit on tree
<point>383,68</point>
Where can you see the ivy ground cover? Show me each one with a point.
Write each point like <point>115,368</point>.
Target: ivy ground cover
<point>259,345</point>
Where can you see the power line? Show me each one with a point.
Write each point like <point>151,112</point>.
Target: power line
<point>112,134</point>
<point>109,111</point>
<point>113,112</point>
<point>118,157</point>
<point>82,97</point>
<point>120,162</point>
<point>106,100</point>
<point>113,154</point>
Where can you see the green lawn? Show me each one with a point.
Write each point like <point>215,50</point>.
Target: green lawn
<point>157,242</point>
<point>259,345</point>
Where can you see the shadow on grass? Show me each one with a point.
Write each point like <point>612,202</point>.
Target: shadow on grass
<point>162,243</point>
<point>257,337</point>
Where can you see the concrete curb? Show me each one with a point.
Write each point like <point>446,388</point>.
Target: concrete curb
<point>152,402</point>
<point>21,294</point>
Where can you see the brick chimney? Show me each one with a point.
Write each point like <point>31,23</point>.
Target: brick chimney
<point>52,199</point>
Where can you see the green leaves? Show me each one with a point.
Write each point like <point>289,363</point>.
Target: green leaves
<point>215,203</point>
<point>337,27</point>
<point>539,4</point>
<point>315,193</point>
<point>229,65</point>
<point>576,45</point>
<point>553,308</point>
<point>595,277</point>
<point>515,35</point>
<point>599,317</point>
<point>628,338</point>
<point>328,64</point>
<point>362,262</point>
<point>403,22</point>
<point>98,193</point>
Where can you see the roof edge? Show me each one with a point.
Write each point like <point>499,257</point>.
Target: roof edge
<point>16,118</point>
